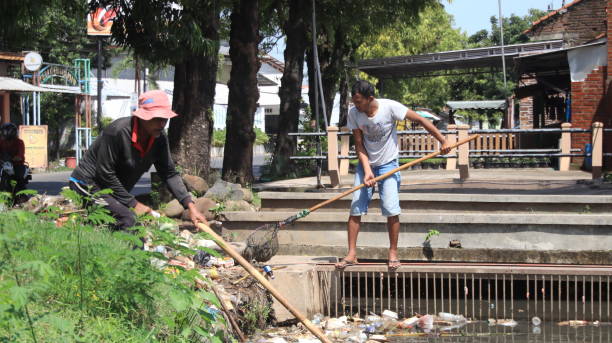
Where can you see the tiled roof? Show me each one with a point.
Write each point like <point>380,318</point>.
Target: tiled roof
<point>552,14</point>
<point>11,56</point>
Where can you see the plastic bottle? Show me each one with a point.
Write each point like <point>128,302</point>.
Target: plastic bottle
<point>317,318</point>
<point>426,322</point>
<point>268,270</point>
<point>451,317</point>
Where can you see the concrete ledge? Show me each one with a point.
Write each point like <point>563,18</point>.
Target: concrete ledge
<point>452,197</point>
<point>299,283</point>
<point>448,203</point>
<point>420,254</point>
<point>539,232</point>
<point>431,218</point>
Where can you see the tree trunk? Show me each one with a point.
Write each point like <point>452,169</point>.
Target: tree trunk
<point>243,92</point>
<point>290,92</point>
<point>344,99</point>
<point>190,133</point>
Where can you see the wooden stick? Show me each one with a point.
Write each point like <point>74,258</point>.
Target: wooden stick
<point>228,314</point>
<point>386,175</point>
<point>262,280</point>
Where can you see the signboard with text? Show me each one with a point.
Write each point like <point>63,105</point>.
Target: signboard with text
<point>35,141</point>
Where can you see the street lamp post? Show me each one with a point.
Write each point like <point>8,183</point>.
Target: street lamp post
<point>501,28</point>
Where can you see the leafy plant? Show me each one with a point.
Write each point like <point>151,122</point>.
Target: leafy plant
<point>255,316</point>
<point>155,194</point>
<point>219,137</point>
<point>218,209</point>
<point>84,283</point>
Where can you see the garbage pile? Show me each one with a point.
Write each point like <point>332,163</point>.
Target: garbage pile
<point>381,328</point>
<point>204,259</point>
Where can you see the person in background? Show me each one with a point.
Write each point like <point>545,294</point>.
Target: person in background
<point>124,151</point>
<point>373,123</point>
<point>12,150</point>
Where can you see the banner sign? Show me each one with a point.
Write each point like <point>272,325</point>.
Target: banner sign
<point>100,21</point>
<point>35,141</point>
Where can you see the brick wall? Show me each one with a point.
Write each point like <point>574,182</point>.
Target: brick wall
<point>608,82</point>
<point>526,104</point>
<point>581,22</point>
<point>588,106</point>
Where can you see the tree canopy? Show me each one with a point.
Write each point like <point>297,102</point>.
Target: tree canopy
<point>434,32</point>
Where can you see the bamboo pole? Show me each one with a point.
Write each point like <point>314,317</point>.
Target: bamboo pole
<point>386,175</point>
<point>264,282</point>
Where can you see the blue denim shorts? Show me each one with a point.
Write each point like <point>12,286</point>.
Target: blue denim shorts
<point>388,190</point>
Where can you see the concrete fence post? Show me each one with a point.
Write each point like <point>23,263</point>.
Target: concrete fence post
<point>6,108</point>
<point>332,155</point>
<point>344,151</point>
<point>451,138</point>
<point>463,160</point>
<point>565,145</point>
<point>597,151</point>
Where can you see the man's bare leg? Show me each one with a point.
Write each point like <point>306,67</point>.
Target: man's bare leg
<point>393,226</point>
<point>353,226</point>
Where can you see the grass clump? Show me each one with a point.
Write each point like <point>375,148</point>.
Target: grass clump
<point>83,283</point>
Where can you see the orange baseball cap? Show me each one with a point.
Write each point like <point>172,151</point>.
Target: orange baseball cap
<point>154,104</point>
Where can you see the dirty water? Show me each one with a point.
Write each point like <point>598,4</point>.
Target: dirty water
<point>481,332</point>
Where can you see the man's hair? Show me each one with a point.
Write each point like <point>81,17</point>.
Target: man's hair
<point>363,87</point>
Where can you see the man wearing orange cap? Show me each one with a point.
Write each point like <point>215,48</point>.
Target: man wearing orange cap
<point>124,151</point>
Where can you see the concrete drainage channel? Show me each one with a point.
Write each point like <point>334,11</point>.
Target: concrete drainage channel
<point>571,301</point>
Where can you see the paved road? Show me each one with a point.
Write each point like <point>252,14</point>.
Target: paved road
<point>52,183</point>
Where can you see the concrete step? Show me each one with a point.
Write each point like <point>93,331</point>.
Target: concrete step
<point>446,202</point>
<point>484,237</point>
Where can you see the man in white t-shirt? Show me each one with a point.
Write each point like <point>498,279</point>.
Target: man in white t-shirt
<point>373,123</point>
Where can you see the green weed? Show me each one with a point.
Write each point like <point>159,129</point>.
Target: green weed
<point>85,283</point>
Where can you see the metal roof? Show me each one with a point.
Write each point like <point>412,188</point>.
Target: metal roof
<point>11,56</point>
<point>478,105</point>
<point>440,63</point>
<point>16,85</point>
<point>547,61</point>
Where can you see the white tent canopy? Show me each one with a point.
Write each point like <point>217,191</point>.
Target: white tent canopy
<point>15,85</point>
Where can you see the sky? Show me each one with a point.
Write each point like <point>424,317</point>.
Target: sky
<point>473,15</point>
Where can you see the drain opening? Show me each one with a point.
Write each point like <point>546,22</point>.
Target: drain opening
<point>479,296</point>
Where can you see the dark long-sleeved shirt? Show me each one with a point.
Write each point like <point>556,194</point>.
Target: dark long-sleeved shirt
<point>113,162</point>
<point>12,150</point>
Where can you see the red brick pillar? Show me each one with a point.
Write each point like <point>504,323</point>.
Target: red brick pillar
<point>607,120</point>
<point>609,36</point>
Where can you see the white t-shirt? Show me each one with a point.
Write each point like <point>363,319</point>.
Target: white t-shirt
<point>379,132</point>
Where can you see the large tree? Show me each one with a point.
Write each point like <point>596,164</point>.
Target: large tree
<point>295,27</point>
<point>341,28</point>
<point>339,34</point>
<point>184,34</point>
<point>432,32</point>
<point>243,92</point>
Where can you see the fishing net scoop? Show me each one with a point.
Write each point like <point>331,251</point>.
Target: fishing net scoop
<point>262,243</point>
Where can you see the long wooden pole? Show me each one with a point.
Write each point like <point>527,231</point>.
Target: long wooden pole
<point>386,175</point>
<point>264,282</point>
